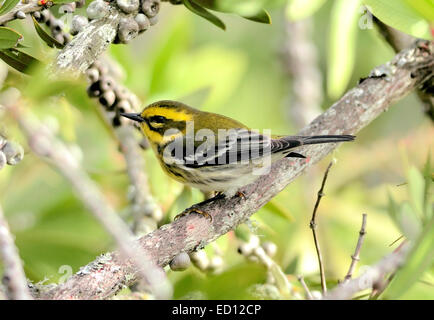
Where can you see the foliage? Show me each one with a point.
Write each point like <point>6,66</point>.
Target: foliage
<point>416,220</point>
<point>349,18</point>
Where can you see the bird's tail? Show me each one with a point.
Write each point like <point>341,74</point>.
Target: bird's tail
<point>297,141</point>
<point>325,139</point>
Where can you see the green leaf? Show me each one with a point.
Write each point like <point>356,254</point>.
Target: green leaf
<point>8,5</point>
<point>241,7</point>
<point>249,9</point>
<point>302,9</point>
<point>416,187</point>
<point>428,208</point>
<point>48,39</point>
<point>424,8</point>
<point>393,208</point>
<point>408,221</point>
<point>342,45</point>
<point>200,11</point>
<point>399,15</point>
<point>262,17</point>
<point>9,38</point>
<point>243,233</point>
<point>420,258</point>
<point>18,60</point>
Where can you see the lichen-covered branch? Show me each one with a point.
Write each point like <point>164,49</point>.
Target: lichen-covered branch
<point>118,21</point>
<point>89,44</point>
<point>355,110</point>
<point>13,276</point>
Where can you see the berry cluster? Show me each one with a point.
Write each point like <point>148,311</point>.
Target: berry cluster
<point>139,16</point>
<point>56,26</point>
<point>200,260</point>
<point>145,16</point>
<point>10,152</point>
<point>112,96</point>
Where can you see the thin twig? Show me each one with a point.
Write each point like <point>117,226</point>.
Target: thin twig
<point>309,295</point>
<point>312,225</point>
<point>13,277</point>
<point>356,256</point>
<point>372,277</point>
<point>44,144</point>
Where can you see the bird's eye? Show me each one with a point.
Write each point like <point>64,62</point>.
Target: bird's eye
<point>158,119</point>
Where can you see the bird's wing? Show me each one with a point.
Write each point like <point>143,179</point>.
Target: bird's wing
<point>229,147</point>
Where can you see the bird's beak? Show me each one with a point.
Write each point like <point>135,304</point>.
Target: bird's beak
<point>133,116</point>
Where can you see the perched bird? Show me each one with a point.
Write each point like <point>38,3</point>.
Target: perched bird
<point>212,152</point>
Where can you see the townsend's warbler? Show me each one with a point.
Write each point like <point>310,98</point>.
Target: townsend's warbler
<point>212,152</point>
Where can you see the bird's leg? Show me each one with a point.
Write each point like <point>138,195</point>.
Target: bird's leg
<point>194,209</point>
<point>241,195</point>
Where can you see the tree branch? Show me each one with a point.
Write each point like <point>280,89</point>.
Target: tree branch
<point>13,277</point>
<point>85,48</point>
<point>89,44</point>
<point>355,110</point>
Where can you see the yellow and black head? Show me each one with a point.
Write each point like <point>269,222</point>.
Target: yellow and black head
<point>159,117</point>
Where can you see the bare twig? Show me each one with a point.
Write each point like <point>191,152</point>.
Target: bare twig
<point>312,225</point>
<point>13,277</point>
<point>44,144</point>
<point>356,256</point>
<point>355,110</point>
<point>372,277</point>
<point>305,287</point>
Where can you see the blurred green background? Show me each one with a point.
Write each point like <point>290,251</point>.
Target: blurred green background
<point>239,73</point>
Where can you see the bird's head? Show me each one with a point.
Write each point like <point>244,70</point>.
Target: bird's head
<point>160,120</point>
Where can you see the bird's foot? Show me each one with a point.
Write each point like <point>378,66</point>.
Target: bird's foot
<point>194,209</point>
<point>241,195</point>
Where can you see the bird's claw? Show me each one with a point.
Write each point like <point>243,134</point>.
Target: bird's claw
<point>241,195</point>
<point>193,210</point>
